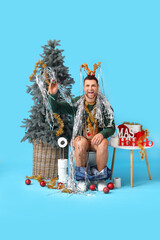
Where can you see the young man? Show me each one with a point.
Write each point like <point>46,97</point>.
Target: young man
<point>93,135</point>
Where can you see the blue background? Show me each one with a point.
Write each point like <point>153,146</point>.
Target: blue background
<point>125,37</point>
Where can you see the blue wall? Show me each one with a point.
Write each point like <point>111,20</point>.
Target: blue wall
<point>123,35</point>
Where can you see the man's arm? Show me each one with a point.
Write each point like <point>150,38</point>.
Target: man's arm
<point>59,107</point>
<point>105,133</point>
<point>109,131</point>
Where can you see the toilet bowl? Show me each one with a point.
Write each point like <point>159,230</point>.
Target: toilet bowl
<point>92,159</point>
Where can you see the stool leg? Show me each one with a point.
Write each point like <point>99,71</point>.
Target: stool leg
<point>131,168</point>
<point>146,157</point>
<point>113,158</point>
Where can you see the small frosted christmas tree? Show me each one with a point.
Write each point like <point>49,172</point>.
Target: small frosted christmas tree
<point>37,128</point>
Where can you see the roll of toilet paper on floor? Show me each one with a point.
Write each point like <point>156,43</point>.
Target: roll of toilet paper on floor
<point>117,182</point>
<point>82,186</point>
<point>62,163</point>
<point>101,185</point>
<point>63,179</point>
<point>62,171</point>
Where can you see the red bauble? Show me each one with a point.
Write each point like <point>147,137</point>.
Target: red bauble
<point>28,181</point>
<point>92,187</point>
<point>110,185</point>
<point>43,183</point>
<point>60,183</point>
<point>106,190</point>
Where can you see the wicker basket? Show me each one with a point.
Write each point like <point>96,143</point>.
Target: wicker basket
<point>45,159</point>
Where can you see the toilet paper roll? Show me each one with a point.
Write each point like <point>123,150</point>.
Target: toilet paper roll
<point>62,176</point>
<point>82,186</point>
<point>101,186</point>
<point>117,182</point>
<point>62,163</point>
<point>63,179</point>
<point>62,142</point>
<point>62,171</point>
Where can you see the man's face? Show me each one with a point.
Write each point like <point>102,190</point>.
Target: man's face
<point>90,88</point>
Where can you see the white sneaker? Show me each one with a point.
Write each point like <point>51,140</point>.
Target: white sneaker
<point>101,184</point>
<point>82,187</point>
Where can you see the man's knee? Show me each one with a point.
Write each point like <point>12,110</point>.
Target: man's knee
<point>81,143</point>
<point>104,144</point>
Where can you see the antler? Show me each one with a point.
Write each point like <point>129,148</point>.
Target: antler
<point>85,66</point>
<point>95,66</point>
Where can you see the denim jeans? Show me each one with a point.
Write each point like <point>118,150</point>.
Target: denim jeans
<point>92,173</point>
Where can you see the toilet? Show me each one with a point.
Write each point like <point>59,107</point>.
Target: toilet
<point>92,159</point>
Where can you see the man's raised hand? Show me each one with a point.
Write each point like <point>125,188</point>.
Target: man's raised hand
<point>53,87</point>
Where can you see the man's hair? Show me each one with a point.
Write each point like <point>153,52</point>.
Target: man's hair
<point>90,77</point>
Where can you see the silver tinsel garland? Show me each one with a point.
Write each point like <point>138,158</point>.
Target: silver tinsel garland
<point>103,110</point>
<point>102,107</point>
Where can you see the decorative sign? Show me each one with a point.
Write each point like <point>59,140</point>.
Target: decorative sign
<point>133,135</point>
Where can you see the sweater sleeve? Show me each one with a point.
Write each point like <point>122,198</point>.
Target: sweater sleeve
<point>108,131</point>
<point>59,107</point>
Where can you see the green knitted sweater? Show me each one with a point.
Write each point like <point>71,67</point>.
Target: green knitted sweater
<point>63,107</point>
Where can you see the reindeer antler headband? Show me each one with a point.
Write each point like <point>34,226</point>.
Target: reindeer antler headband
<point>90,72</point>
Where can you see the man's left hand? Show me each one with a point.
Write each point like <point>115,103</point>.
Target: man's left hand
<point>97,139</point>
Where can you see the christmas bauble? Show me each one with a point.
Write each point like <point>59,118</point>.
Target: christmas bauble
<point>43,183</point>
<point>28,181</point>
<point>110,185</point>
<point>60,183</point>
<point>106,190</point>
<point>92,187</point>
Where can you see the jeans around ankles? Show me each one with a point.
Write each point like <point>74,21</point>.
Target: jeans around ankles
<point>92,173</point>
